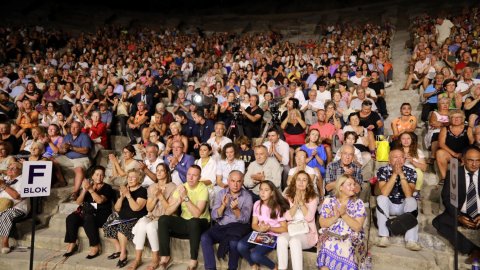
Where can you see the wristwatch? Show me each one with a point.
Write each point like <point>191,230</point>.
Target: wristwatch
<point>186,199</point>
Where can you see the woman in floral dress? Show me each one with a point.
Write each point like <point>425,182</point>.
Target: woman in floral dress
<point>341,243</point>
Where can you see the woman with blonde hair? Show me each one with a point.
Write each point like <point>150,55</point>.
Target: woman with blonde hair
<point>437,120</point>
<point>341,235</point>
<point>175,129</point>
<point>129,207</point>
<point>452,139</point>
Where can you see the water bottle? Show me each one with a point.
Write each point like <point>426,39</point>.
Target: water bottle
<point>475,265</point>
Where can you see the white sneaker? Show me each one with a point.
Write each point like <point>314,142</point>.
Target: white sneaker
<point>388,84</point>
<point>6,250</point>
<point>384,242</point>
<point>413,246</point>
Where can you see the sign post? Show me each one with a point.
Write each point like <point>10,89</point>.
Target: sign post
<point>454,202</point>
<point>35,182</point>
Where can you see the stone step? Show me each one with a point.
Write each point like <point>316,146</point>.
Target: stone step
<point>50,242</point>
<point>52,259</point>
<point>399,258</point>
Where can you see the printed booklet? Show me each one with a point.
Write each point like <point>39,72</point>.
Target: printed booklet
<point>263,239</point>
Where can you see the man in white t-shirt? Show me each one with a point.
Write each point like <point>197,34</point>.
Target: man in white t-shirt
<point>422,66</point>
<point>357,79</point>
<point>323,95</point>
<point>443,29</point>
<point>280,150</point>
<point>310,107</point>
<point>149,165</point>
<point>218,141</point>
<point>356,104</point>
<point>463,86</point>
<point>369,92</point>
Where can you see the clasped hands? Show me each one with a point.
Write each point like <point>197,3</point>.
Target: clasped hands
<point>228,200</point>
<point>472,224</point>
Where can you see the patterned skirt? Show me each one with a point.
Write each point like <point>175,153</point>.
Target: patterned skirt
<point>111,231</point>
<point>341,253</point>
<point>6,220</point>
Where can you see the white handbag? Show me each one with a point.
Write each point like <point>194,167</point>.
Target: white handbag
<point>298,227</point>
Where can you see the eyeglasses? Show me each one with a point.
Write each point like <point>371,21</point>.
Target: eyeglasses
<point>473,161</point>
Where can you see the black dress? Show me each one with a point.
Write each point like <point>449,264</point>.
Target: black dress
<point>126,213</point>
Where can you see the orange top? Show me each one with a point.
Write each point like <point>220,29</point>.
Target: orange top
<point>140,116</point>
<point>24,123</point>
<point>403,126</point>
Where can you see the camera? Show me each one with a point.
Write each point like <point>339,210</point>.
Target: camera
<point>235,106</point>
<point>274,107</point>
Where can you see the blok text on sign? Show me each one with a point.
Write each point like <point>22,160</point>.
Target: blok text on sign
<point>36,179</point>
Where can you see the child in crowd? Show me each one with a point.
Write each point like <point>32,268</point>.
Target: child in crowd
<point>267,218</point>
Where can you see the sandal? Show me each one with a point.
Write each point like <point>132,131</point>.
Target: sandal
<point>122,263</point>
<point>135,265</point>
<point>166,265</point>
<point>113,256</point>
<point>153,266</point>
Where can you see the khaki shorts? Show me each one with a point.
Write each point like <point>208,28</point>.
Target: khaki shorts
<point>67,163</point>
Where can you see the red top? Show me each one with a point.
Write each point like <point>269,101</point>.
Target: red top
<point>99,131</point>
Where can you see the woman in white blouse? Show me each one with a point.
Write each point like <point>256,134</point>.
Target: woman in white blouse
<point>230,161</point>
<point>209,169</point>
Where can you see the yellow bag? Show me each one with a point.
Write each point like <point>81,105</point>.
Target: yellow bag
<point>383,149</point>
<point>5,204</point>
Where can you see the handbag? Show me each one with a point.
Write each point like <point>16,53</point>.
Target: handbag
<point>298,227</point>
<point>400,224</point>
<point>5,203</point>
<point>85,209</point>
<point>383,148</point>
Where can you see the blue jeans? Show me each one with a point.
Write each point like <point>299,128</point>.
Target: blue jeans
<point>211,237</point>
<point>254,254</point>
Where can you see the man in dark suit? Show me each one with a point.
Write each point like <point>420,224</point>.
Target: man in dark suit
<point>468,205</point>
<point>146,97</point>
<point>179,162</point>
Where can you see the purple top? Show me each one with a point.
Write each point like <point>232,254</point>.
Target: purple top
<point>245,204</point>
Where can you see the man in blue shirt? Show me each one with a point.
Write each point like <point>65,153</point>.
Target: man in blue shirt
<point>74,155</point>
<point>231,210</point>
<point>178,162</point>
<point>431,96</point>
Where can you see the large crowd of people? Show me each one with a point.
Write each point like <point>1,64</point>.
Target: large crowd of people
<point>445,65</point>
<point>234,139</point>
